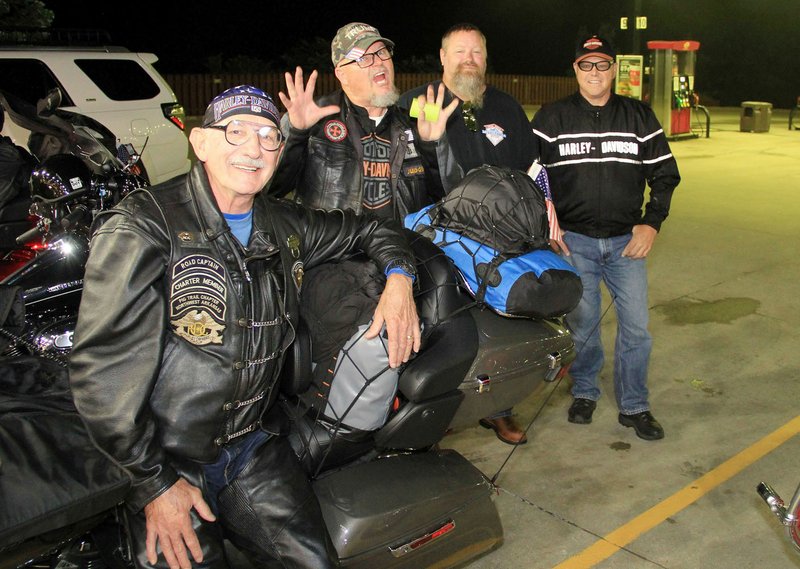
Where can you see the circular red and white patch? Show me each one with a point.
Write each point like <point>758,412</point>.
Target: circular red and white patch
<point>335,131</point>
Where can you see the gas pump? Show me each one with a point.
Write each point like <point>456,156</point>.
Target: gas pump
<point>672,84</point>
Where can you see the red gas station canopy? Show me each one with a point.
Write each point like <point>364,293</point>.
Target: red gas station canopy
<point>678,45</point>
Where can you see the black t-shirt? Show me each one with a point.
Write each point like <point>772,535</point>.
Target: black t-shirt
<point>503,135</point>
<point>376,167</point>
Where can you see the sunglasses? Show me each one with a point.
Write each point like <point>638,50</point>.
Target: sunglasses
<point>603,65</point>
<point>468,114</point>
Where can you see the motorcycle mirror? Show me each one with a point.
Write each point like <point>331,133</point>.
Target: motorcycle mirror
<point>51,101</point>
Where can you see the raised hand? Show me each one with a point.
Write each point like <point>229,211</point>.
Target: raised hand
<point>303,111</point>
<point>433,130</point>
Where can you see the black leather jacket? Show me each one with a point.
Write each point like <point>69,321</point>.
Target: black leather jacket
<point>323,165</point>
<point>181,330</point>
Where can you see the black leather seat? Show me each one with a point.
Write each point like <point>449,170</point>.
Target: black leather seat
<point>429,382</point>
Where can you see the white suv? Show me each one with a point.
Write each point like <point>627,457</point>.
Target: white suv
<point>112,85</point>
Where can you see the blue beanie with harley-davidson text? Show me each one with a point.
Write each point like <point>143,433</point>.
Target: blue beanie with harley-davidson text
<point>241,100</point>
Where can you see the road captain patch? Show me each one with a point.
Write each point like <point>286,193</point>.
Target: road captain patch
<point>197,300</point>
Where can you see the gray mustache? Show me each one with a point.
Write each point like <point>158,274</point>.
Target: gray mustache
<point>250,162</point>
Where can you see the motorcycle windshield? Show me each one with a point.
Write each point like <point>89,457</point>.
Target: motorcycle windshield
<point>85,144</point>
<point>63,132</point>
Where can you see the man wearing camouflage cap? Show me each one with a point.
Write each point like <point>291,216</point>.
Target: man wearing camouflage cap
<point>355,149</point>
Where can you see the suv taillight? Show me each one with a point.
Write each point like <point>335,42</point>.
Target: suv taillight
<point>175,114</point>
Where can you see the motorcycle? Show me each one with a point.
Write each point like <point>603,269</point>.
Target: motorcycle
<point>787,514</point>
<point>394,497</point>
<point>80,173</point>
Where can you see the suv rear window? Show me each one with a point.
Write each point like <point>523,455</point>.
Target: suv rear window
<point>30,80</point>
<point>120,79</point>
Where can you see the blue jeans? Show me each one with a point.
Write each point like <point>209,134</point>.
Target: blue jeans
<point>230,463</point>
<point>626,280</point>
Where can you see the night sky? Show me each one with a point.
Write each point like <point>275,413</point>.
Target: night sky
<point>748,48</point>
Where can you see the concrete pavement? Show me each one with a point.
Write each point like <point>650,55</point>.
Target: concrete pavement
<point>724,282</point>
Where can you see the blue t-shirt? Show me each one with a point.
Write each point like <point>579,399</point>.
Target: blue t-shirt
<point>241,225</point>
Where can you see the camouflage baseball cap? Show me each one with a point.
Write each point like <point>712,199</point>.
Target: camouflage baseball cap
<point>352,41</point>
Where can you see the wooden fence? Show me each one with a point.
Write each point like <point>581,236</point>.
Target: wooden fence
<point>194,91</point>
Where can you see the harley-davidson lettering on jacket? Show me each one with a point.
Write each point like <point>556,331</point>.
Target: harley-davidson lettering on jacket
<point>181,330</point>
<point>326,168</point>
<point>598,160</point>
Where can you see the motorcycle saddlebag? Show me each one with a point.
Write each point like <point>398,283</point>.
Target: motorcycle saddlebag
<point>419,510</point>
<point>516,357</point>
<point>51,475</point>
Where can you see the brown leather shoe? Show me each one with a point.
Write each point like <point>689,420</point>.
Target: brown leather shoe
<point>506,430</point>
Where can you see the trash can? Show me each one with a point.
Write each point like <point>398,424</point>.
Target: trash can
<point>755,116</point>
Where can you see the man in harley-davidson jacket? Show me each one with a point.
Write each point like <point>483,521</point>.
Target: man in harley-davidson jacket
<point>189,304</point>
<point>357,150</point>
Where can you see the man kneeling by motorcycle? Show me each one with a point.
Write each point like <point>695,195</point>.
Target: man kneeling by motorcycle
<point>190,301</point>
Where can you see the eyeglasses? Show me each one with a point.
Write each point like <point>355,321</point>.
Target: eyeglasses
<point>468,114</point>
<point>238,133</point>
<point>603,65</point>
<point>368,59</point>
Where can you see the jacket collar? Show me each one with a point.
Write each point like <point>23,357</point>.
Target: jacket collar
<point>206,209</point>
<point>587,106</point>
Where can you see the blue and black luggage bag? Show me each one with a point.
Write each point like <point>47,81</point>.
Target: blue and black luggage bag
<point>494,226</point>
<point>536,284</point>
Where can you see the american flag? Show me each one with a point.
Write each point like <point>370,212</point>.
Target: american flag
<point>539,175</point>
<point>355,54</point>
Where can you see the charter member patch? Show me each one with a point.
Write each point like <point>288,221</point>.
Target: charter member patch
<point>197,300</point>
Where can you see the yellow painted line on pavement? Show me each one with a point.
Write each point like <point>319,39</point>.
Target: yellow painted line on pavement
<point>622,536</point>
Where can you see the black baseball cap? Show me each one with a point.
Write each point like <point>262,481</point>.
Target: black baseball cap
<point>594,45</point>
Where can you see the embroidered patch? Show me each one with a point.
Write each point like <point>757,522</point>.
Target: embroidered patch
<point>335,130</point>
<point>197,304</point>
<point>413,170</point>
<point>355,53</point>
<point>494,132</point>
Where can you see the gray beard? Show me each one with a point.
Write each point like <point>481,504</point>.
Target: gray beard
<point>385,100</point>
<point>470,87</point>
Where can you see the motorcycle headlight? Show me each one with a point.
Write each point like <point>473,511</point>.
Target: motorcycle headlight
<point>60,175</point>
